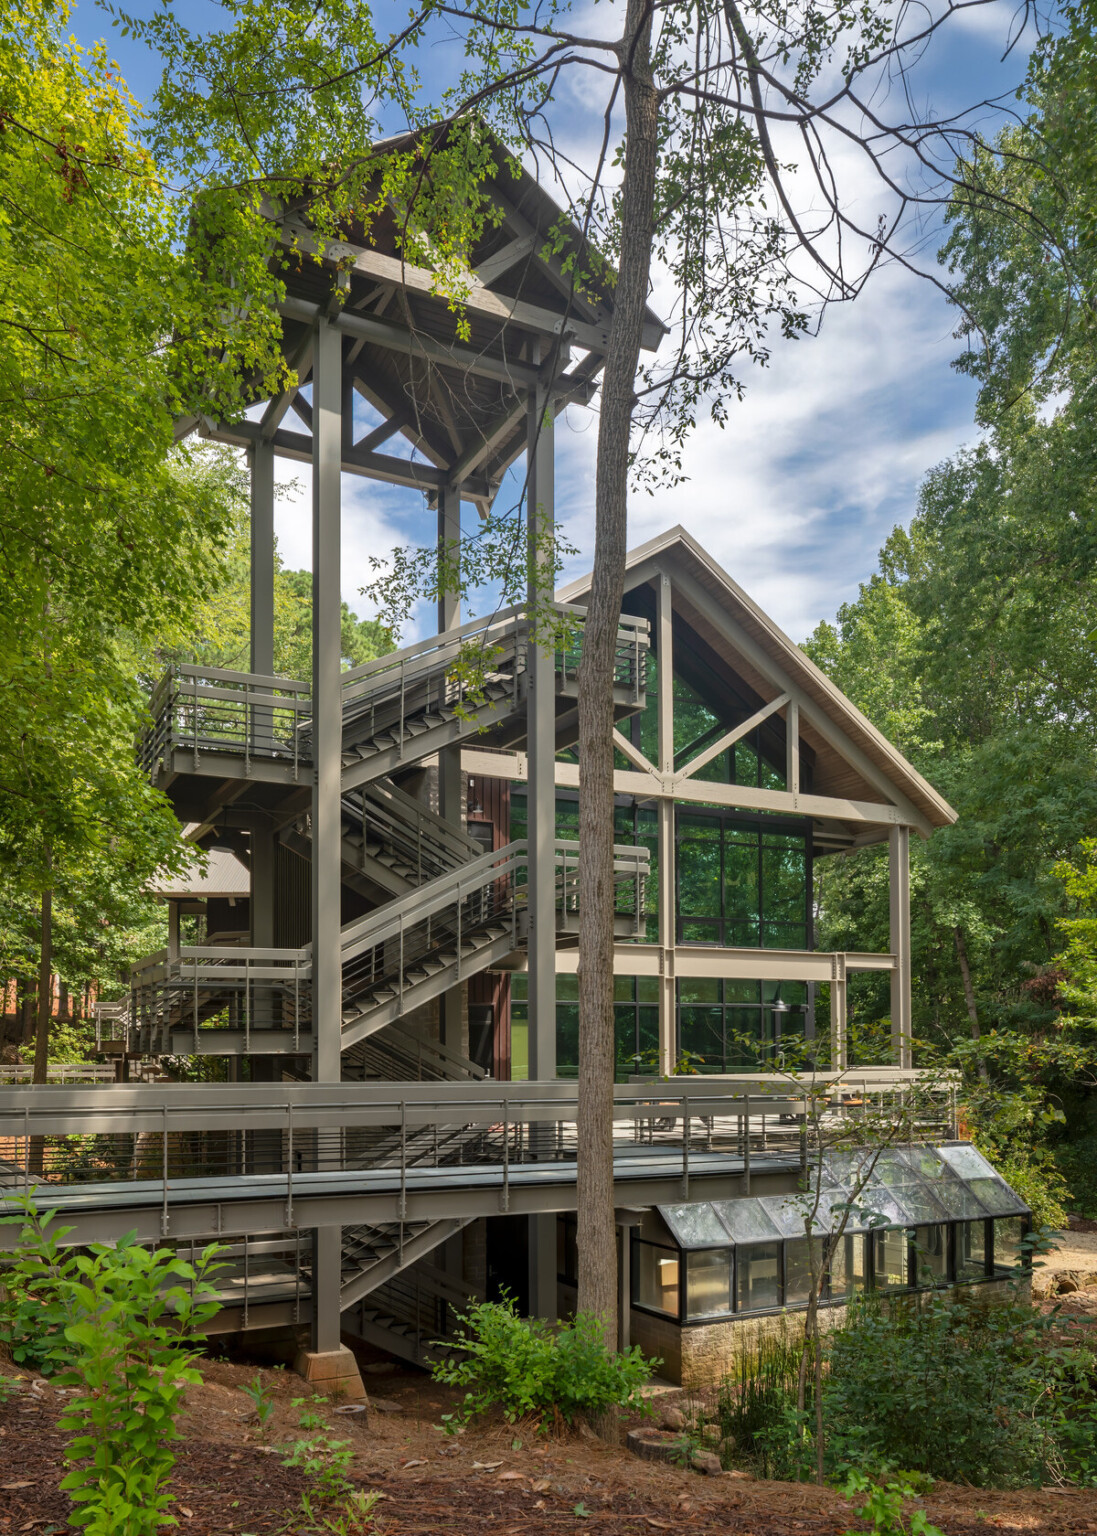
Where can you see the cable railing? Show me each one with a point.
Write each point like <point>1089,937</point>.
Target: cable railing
<point>205,988</point>
<point>317,1137</point>
<point>196,710</point>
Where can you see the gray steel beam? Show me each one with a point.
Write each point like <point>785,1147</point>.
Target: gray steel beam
<point>899,943</point>
<point>213,1220</point>
<point>261,456</point>
<point>450,1004</point>
<point>541,747</point>
<point>668,937</point>
<point>327,1280</point>
<point>327,718</point>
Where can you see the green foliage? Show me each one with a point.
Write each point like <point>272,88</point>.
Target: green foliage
<point>122,1334</point>
<point>883,1505</point>
<point>525,1367</point>
<point>33,1312</point>
<point>324,1460</point>
<point>260,1394</point>
<point>975,1393</point>
<point>757,1405</point>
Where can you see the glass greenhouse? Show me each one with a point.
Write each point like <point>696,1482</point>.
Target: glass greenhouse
<point>923,1217</point>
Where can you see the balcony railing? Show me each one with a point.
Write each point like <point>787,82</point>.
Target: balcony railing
<point>209,709</point>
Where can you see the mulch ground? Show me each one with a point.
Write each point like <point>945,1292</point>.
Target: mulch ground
<point>495,1479</point>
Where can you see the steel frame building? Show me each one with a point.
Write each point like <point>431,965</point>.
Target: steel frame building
<point>359,1138</point>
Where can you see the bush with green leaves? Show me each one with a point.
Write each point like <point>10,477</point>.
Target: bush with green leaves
<point>993,1395</point>
<point>126,1348</point>
<point>531,1369</point>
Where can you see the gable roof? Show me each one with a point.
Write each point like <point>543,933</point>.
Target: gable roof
<point>722,605</point>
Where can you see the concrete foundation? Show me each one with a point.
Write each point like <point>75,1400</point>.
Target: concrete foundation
<point>332,1372</point>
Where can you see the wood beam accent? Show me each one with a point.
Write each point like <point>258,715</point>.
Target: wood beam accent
<point>479,300</point>
<point>650,786</point>
<point>731,737</point>
<point>703,960</point>
<point>831,733</point>
<point>398,338</point>
<point>633,754</point>
<point>511,254</point>
<point>375,466</point>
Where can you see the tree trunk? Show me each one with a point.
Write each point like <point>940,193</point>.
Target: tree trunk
<point>45,991</point>
<point>36,1151</point>
<point>969,992</point>
<point>596,1235</point>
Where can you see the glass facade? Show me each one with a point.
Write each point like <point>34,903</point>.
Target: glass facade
<point>655,1278</point>
<point>738,1026</point>
<point>741,884</point>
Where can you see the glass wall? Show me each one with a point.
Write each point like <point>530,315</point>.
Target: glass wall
<point>655,1277</point>
<point>737,1026</point>
<point>741,883</point>
<point>765,1276</point>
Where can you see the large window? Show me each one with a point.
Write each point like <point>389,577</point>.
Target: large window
<point>741,883</point>
<point>708,1282</point>
<point>655,1273</point>
<point>758,1272</point>
<point>738,1026</point>
<point>636,1020</point>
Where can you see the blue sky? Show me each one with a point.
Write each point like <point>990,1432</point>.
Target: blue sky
<point>824,455</point>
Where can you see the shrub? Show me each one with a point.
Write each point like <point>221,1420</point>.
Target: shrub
<point>525,1367</point>
<point>126,1347</point>
<point>974,1393</point>
<point>757,1406</point>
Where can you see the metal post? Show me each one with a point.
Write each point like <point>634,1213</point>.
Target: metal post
<point>449,758</point>
<point>899,888</point>
<point>668,1010</point>
<point>327,1276</point>
<point>262,558</point>
<point>839,1049</point>
<point>624,1288</point>
<point>326,704</point>
<point>541,729</point>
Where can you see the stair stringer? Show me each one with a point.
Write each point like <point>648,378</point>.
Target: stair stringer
<point>492,952</point>
<point>415,1248</point>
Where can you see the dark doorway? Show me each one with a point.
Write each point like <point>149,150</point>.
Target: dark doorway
<point>508,1259</point>
<point>482,1035</point>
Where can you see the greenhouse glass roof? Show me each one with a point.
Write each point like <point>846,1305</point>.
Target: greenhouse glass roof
<point>904,1187</point>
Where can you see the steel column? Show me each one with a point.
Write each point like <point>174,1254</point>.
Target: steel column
<point>261,456</point>
<point>327,1279</point>
<point>664,650</point>
<point>899,890</point>
<point>450,1010</point>
<point>542,1267</point>
<point>541,726</point>
<point>327,719</point>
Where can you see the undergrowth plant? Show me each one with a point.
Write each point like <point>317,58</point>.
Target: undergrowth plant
<point>260,1394</point>
<point>531,1369</point>
<point>323,1459</point>
<point>883,1505</point>
<point>123,1335</point>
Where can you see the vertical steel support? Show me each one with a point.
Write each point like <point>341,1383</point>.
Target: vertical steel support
<point>541,728</point>
<point>327,719</point>
<point>899,888</point>
<point>664,650</point>
<point>624,1288</point>
<point>327,1279</point>
<point>792,747</point>
<point>262,558</point>
<point>839,1042</point>
<point>449,758</point>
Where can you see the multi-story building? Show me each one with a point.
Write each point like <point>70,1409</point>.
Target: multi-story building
<point>371,990</point>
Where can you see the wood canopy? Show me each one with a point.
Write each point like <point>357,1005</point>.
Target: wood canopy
<point>443,413</point>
